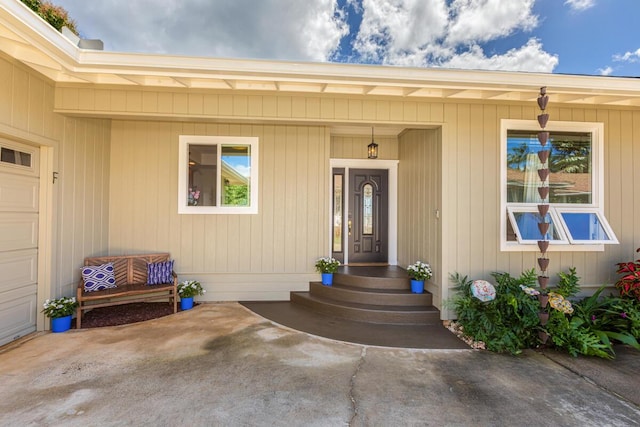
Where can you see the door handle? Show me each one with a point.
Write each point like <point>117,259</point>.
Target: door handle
<point>349,225</point>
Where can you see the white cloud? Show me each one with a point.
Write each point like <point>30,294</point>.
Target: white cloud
<point>435,33</point>
<point>445,33</point>
<point>530,57</point>
<point>484,20</point>
<point>606,71</point>
<point>399,28</point>
<point>628,56</point>
<point>580,5</point>
<point>274,29</point>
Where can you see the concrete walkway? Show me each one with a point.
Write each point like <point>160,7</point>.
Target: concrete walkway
<point>220,364</point>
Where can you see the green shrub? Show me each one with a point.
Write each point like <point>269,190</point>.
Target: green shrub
<point>510,322</point>
<point>506,324</point>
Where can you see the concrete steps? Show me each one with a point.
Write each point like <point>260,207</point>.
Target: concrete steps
<point>370,294</point>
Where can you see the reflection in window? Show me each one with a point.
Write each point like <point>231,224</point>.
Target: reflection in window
<point>527,225</point>
<point>218,175</point>
<point>586,227</point>
<point>576,164</point>
<point>570,166</point>
<point>367,209</point>
<point>203,161</point>
<point>236,170</point>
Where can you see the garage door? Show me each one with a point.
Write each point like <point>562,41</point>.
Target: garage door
<point>18,240</point>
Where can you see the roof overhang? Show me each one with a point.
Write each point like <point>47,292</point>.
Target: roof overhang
<point>30,40</point>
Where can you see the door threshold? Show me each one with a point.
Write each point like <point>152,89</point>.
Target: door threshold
<point>367,264</point>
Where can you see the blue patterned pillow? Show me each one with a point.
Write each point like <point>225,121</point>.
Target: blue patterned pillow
<point>159,273</point>
<point>98,277</point>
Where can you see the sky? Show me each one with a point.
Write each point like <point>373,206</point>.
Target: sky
<point>591,37</point>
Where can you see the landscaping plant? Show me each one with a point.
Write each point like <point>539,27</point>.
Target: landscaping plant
<point>190,288</point>
<point>327,265</point>
<point>506,324</point>
<point>629,284</point>
<point>419,271</point>
<point>59,307</point>
<point>510,323</point>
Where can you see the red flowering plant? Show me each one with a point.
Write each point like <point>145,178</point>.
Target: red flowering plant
<point>629,284</point>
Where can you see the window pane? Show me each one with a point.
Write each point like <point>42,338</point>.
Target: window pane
<point>527,225</point>
<point>367,209</point>
<point>15,157</point>
<point>337,212</point>
<point>236,175</point>
<point>570,165</point>
<point>584,226</point>
<point>203,161</point>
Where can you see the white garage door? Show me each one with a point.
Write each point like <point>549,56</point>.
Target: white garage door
<point>19,172</point>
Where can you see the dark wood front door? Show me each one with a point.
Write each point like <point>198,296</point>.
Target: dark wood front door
<point>367,219</point>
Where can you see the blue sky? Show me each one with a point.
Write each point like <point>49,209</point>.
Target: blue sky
<point>593,37</point>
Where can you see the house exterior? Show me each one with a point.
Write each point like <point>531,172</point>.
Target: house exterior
<point>98,150</point>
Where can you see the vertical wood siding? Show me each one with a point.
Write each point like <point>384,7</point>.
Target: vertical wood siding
<point>80,196</point>
<point>236,256</point>
<point>355,147</point>
<point>469,172</point>
<point>419,196</point>
<point>472,202</point>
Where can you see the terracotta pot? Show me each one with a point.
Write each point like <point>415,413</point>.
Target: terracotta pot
<point>544,318</point>
<point>543,155</point>
<point>543,299</point>
<point>543,281</point>
<point>543,137</point>
<point>543,192</point>
<point>543,174</point>
<point>542,120</point>
<point>543,263</point>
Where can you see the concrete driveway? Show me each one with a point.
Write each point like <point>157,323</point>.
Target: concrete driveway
<point>220,364</point>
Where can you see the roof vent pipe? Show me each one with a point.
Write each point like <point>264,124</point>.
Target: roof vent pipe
<point>94,44</point>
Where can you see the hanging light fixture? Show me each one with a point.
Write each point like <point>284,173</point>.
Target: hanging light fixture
<point>372,149</point>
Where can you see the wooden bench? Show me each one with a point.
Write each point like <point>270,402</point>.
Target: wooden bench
<point>131,279</point>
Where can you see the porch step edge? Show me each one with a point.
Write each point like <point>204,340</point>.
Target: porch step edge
<point>401,315</point>
<point>382,297</point>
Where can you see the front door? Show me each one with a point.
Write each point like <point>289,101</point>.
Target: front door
<point>367,217</point>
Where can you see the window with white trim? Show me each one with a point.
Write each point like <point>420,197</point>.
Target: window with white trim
<point>218,175</point>
<point>576,220</point>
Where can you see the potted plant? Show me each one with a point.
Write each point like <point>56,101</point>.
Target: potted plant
<point>327,266</point>
<point>187,290</point>
<point>60,311</point>
<point>419,272</point>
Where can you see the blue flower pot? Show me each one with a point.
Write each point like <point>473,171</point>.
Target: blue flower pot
<point>327,279</point>
<point>417,286</point>
<point>186,303</point>
<point>60,324</point>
